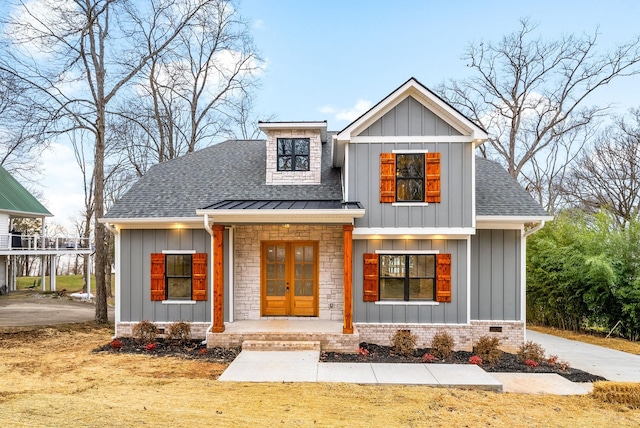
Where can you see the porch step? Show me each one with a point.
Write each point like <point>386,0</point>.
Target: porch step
<point>281,345</point>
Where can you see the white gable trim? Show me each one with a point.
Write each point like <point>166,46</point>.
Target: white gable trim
<point>415,89</point>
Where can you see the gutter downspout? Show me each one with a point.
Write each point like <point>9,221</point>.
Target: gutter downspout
<point>210,232</point>
<point>113,229</point>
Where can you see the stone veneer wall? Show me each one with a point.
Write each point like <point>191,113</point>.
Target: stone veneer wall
<point>247,266</point>
<point>313,176</point>
<point>198,329</point>
<point>511,337</point>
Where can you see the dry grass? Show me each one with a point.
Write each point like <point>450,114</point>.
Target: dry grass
<point>612,342</point>
<point>625,393</point>
<point>50,377</point>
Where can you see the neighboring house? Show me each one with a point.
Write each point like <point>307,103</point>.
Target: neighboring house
<point>16,202</point>
<point>391,224</point>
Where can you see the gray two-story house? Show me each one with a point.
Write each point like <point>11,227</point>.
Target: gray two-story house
<point>391,224</point>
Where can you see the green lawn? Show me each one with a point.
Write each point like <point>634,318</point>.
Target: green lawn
<point>71,283</point>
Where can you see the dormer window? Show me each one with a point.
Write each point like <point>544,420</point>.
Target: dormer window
<point>293,154</point>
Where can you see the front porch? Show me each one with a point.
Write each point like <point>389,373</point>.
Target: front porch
<point>328,333</point>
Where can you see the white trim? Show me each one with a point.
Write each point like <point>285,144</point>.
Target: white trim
<point>178,251</point>
<point>335,216</point>
<point>345,173</point>
<point>405,303</point>
<point>274,126</point>
<point>418,324</point>
<point>408,252</point>
<point>155,222</point>
<point>512,219</point>
<point>412,232</point>
<point>231,259</point>
<point>473,186</point>
<point>409,204</point>
<point>413,139</point>
<point>178,302</point>
<point>469,279</point>
<point>409,151</point>
<point>523,278</point>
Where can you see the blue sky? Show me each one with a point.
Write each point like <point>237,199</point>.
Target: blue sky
<point>327,57</point>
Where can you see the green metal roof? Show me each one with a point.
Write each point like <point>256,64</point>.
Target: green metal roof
<point>16,199</point>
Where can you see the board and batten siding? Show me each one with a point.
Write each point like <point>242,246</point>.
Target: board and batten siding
<point>455,208</point>
<point>496,290</point>
<point>409,118</point>
<point>452,313</point>
<point>136,249</point>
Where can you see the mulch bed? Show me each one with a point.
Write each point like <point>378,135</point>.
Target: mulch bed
<point>508,363</point>
<point>194,349</point>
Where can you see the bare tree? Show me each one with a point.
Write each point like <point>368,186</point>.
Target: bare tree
<point>80,55</point>
<point>192,90</point>
<point>530,94</point>
<point>21,129</point>
<point>608,175</point>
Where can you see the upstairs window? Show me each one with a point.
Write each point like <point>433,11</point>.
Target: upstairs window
<point>293,154</point>
<point>410,178</point>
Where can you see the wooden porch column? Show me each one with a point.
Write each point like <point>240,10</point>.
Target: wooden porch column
<point>218,278</point>
<point>347,327</point>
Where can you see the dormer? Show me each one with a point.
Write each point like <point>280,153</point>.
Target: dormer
<point>294,151</point>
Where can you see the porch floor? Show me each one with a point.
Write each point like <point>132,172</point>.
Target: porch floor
<point>328,333</point>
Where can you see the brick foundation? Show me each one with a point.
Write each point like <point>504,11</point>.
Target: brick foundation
<point>511,335</point>
<point>330,342</point>
<point>198,329</point>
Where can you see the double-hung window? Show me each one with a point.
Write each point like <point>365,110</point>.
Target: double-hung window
<point>293,154</point>
<point>407,276</point>
<point>410,177</point>
<point>178,276</point>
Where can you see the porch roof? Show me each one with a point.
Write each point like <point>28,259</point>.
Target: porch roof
<point>283,211</point>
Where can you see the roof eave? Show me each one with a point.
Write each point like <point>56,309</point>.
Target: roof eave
<point>508,222</point>
<point>330,216</point>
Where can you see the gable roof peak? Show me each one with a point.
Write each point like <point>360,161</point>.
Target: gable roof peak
<point>414,88</point>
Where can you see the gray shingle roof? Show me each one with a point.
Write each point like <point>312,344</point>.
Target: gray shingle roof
<point>499,194</point>
<point>234,169</point>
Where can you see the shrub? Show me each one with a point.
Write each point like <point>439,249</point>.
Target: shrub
<point>442,345</point>
<point>150,347</point>
<point>116,344</point>
<point>428,358</point>
<point>363,352</point>
<point>531,351</point>
<point>144,332</point>
<point>403,342</point>
<point>179,332</point>
<point>474,359</point>
<point>488,349</point>
<point>531,363</point>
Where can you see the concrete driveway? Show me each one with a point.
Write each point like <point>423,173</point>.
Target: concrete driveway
<point>26,308</point>
<point>610,364</point>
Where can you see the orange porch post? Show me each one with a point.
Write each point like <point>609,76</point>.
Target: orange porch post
<point>347,327</point>
<point>218,278</point>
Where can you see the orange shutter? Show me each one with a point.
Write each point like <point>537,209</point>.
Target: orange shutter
<point>387,177</point>
<point>443,277</point>
<point>370,284</point>
<point>157,277</point>
<point>432,176</point>
<point>199,276</point>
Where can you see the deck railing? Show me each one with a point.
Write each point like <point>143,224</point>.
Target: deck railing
<point>17,242</point>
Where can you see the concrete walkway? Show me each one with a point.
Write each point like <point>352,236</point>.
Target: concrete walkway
<point>304,366</point>
<point>610,364</point>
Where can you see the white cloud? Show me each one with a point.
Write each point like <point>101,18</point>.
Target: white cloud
<point>354,112</point>
<point>258,24</point>
<point>327,110</point>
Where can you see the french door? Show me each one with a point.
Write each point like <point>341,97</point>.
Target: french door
<point>289,278</point>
